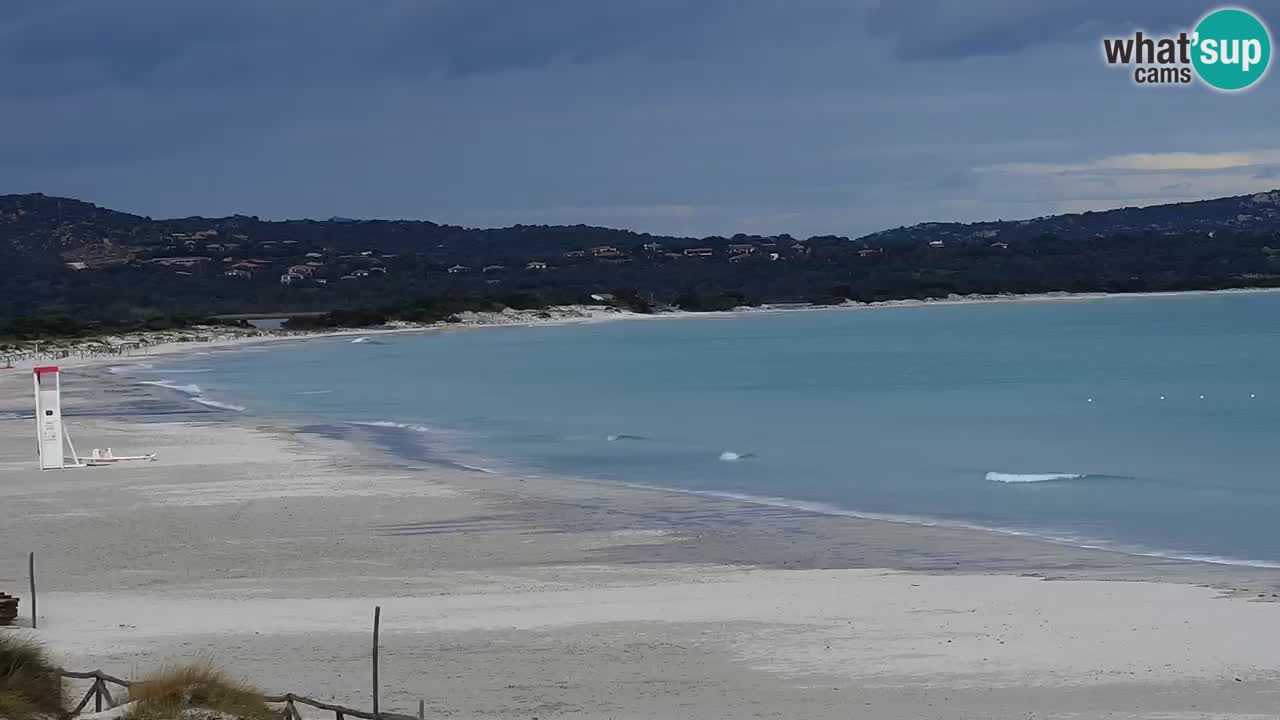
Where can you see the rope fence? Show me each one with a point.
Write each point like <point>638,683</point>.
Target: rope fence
<point>100,695</point>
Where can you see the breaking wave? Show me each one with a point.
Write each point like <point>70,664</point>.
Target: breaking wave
<point>624,436</point>
<point>189,389</point>
<point>728,456</point>
<point>479,469</point>
<point>1032,477</point>
<point>391,424</point>
<point>218,404</point>
<point>125,369</point>
<point>195,393</point>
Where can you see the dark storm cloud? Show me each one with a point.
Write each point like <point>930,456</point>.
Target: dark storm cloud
<point>684,116</point>
<point>483,35</point>
<point>53,47</point>
<point>944,29</point>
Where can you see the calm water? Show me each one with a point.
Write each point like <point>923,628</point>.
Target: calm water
<point>1093,408</point>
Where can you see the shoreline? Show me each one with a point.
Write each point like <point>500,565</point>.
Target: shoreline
<point>590,315</point>
<point>558,316</point>
<point>265,544</point>
<point>376,434</point>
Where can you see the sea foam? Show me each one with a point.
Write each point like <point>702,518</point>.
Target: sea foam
<point>392,424</point>
<point>218,404</point>
<point>189,389</point>
<point>1031,477</point>
<point>195,392</point>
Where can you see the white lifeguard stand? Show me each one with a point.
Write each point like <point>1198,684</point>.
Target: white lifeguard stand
<point>50,432</point>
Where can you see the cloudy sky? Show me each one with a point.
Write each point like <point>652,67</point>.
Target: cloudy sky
<point>671,116</point>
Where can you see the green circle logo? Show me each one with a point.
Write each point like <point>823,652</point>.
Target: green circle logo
<point>1232,49</point>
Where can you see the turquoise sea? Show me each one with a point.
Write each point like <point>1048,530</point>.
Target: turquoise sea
<point>1147,425</point>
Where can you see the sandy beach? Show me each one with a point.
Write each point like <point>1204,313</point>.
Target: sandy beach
<point>267,546</point>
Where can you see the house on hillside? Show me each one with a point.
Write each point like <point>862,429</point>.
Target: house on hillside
<point>936,244</point>
<point>536,265</point>
<point>493,268</point>
<point>458,269</point>
<point>291,278</point>
<point>742,249</point>
<point>237,274</point>
<point>699,252</point>
<point>249,266</point>
<point>190,261</point>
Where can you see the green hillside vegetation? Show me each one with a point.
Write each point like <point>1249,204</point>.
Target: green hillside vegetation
<point>74,268</point>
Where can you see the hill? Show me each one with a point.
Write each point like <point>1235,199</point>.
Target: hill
<point>1259,213</point>
<point>66,257</point>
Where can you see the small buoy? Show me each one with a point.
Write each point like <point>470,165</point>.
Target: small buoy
<point>1161,397</point>
<point>1090,399</point>
<point>1252,395</point>
<point>1201,397</point>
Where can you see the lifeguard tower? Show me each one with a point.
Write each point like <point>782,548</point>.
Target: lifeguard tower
<point>50,432</point>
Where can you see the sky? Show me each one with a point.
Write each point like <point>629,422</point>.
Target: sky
<point>689,117</point>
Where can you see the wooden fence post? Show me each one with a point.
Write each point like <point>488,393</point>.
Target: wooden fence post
<point>377,621</point>
<point>31,573</point>
<point>422,709</point>
<point>106,694</point>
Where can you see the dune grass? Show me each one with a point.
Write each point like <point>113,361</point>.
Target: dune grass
<point>30,686</point>
<point>200,686</point>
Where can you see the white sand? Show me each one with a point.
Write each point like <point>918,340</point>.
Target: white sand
<point>865,625</point>
<point>547,598</point>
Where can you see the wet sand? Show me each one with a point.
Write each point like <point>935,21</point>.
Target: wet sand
<point>266,547</point>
